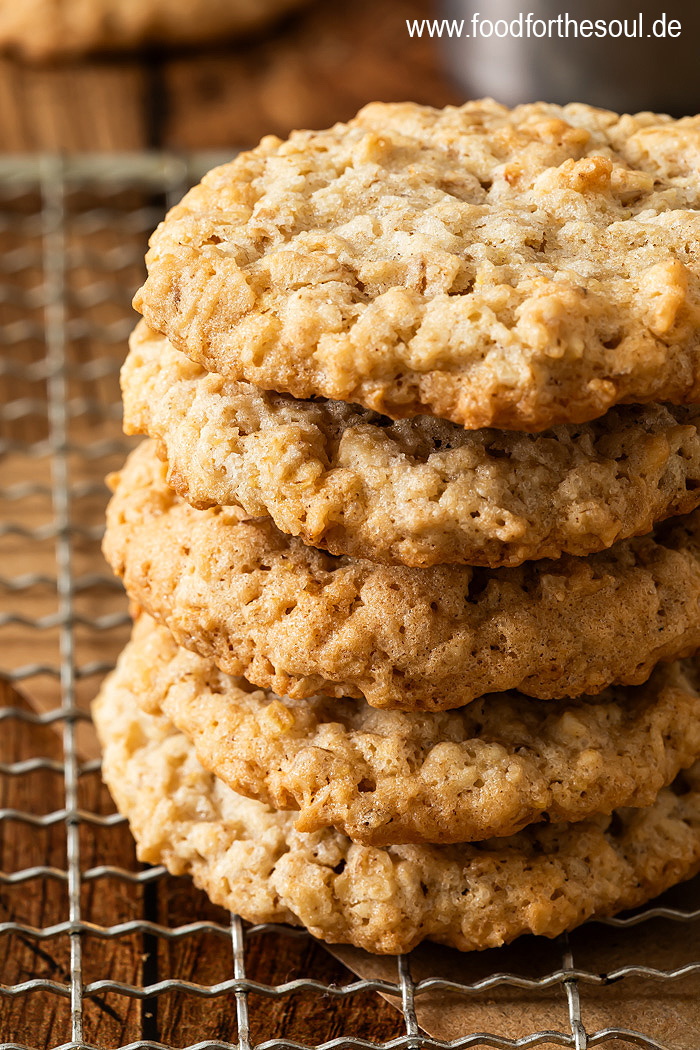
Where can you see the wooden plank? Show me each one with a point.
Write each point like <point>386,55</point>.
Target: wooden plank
<point>43,1018</point>
<point>270,959</point>
<point>81,107</point>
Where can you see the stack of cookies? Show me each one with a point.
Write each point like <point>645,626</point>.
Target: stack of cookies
<point>414,543</point>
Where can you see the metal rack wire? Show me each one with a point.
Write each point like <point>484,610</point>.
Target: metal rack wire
<point>72,238</point>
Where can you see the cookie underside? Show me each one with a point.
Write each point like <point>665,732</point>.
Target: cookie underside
<point>417,492</point>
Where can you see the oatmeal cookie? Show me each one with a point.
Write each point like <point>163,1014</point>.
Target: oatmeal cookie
<point>301,621</point>
<point>511,268</point>
<point>388,777</point>
<point>416,492</point>
<point>251,860</point>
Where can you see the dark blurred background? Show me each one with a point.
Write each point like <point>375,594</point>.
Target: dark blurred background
<point>319,63</point>
<point>312,67</point>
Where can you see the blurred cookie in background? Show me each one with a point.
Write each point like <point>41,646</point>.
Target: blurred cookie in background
<point>78,75</point>
<point>46,29</point>
<point>320,67</point>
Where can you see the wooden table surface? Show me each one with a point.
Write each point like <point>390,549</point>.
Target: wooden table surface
<point>315,68</point>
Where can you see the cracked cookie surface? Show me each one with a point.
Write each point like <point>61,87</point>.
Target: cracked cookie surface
<point>510,268</point>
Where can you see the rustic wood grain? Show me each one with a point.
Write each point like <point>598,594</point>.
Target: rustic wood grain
<point>43,1018</point>
<point>83,107</point>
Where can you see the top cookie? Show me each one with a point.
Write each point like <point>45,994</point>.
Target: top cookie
<point>41,29</point>
<point>510,268</point>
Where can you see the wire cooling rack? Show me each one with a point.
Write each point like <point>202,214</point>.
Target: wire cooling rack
<point>95,950</point>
